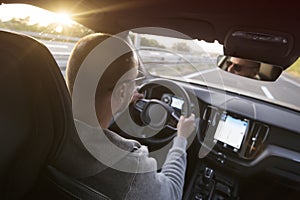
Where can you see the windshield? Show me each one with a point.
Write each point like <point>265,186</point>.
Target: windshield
<point>186,60</point>
<point>196,62</point>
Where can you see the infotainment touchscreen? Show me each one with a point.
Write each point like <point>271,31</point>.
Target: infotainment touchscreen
<point>231,131</point>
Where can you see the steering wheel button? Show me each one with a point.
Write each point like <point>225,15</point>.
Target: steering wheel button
<point>140,104</point>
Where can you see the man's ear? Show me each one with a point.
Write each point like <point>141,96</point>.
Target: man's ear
<point>122,90</point>
<point>119,91</point>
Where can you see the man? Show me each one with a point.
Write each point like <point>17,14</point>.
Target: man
<point>243,67</point>
<point>132,174</point>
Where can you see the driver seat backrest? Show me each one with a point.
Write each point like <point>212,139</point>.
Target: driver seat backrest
<point>35,119</point>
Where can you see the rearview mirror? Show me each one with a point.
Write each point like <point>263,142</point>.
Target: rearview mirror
<point>249,68</point>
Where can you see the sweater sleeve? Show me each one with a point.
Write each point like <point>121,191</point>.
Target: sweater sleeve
<point>168,184</point>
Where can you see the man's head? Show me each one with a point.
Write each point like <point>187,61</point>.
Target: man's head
<point>243,67</point>
<point>116,85</point>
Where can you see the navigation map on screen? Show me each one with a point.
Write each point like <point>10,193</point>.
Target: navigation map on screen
<point>231,130</point>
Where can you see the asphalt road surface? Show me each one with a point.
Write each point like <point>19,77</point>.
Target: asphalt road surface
<point>285,90</point>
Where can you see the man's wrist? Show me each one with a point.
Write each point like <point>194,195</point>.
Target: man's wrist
<point>180,142</point>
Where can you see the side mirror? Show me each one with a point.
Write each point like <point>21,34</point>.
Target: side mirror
<point>249,68</point>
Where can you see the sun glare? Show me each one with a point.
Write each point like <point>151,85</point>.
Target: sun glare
<point>64,18</point>
<point>36,15</point>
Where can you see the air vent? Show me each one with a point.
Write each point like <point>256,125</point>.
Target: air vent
<point>211,115</point>
<point>210,118</point>
<point>256,138</point>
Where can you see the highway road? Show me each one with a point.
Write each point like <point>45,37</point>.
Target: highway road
<point>61,52</point>
<point>285,90</point>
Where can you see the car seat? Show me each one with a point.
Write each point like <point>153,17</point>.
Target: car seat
<point>36,121</point>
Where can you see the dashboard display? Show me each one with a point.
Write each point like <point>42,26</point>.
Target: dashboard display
<point>231,131</point>
<point>177,103</point>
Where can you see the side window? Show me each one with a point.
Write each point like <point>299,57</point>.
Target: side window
<point>56,30</point>
<point>294,69</point>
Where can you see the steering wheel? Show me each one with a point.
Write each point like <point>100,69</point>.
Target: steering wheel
<point>156,114</point>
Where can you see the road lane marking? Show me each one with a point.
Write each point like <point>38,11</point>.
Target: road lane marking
<point>61,53</point>
<point>267,92</point>
<point>290,81</point>
<point>200,73</point>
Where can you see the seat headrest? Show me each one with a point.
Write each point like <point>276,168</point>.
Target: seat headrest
<point>35,106</point>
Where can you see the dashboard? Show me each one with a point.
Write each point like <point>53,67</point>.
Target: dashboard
<point>175,102</point>
<point>241,135</point>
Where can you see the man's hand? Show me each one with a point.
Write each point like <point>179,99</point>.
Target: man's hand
<point>136,96</point>
<point>186,126</point>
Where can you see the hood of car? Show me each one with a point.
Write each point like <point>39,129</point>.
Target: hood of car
<point>267,29</point>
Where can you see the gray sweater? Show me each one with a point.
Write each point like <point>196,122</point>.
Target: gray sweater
<point>129,172</point>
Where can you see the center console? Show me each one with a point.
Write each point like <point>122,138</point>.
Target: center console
<point>231,135</point>
<point>227,141</point>
<point>209,183</point>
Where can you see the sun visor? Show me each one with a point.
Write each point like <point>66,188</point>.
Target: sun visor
<point>262,45</point>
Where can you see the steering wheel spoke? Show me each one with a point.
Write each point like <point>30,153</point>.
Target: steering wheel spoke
<point>172,121</point>
<point>140,104</point>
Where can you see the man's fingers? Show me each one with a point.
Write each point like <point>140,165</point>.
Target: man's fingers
<point>191,117</point>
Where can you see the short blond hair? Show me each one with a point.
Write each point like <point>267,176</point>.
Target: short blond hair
<point>113,72</point>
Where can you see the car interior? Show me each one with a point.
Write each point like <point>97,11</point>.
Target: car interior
<point>246,143</point>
